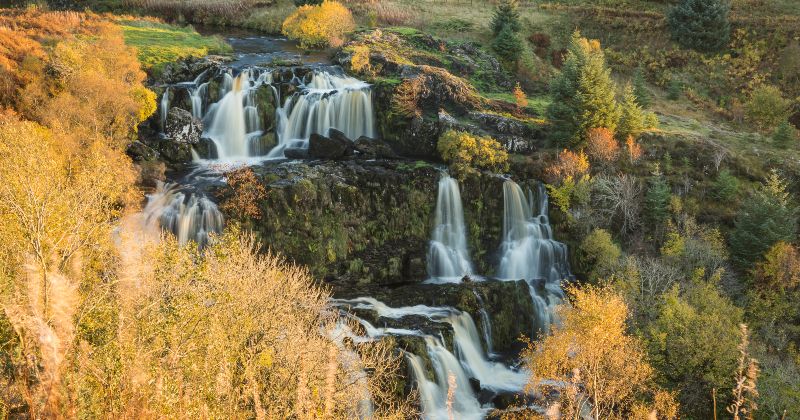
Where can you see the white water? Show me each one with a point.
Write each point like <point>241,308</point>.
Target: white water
<point>327,101</point>
<point>529,252</point>
<point>467,360</point>
<point>448,258</point>
<point>188,216</point>
<point>486,323</point>
<point>164,109</point>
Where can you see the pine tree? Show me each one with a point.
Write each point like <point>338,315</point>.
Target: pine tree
<point>643,96</point>
<point>506,14</point>
<point>632,120</point>
<point>785,135</point>
<point>657,199</point>
<point>507,45</point>
<point>700,24</point>
<point>768,217</point>
<point>583,94</point>
<point>674,89</point>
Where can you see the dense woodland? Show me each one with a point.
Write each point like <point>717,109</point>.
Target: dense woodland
<point>670,152</point>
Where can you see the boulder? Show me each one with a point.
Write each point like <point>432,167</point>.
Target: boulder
<point>295,153</point>
<point>141,152</point>
<point>374,148</point>
<point>182,127</point>
<point>336,147</point>
<point>206,148</point>
<point>516,136</point>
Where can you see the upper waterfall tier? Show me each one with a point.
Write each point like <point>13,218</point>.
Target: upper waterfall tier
<point>448,258</point>
<point>259,112</point>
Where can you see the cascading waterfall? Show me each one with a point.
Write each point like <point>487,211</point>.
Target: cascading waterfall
<point>164,109</point>
<point>448,258</point>
<point>486,323</point>
<point>529,252</point>
<point>189,216</point>
<point>468,360</point>
<point>327,101</point>
<point>233,122</point>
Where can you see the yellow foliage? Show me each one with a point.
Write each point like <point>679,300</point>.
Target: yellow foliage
<point>464,150</point>
<point>519,96</point>
<point>568,164</point>
<point>319,26</point>
<point>360,61</point>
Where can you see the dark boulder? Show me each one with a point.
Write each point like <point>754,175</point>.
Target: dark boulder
<point>336,147</point>
<point>206,148</point>
<point>295,153</point>
<point>374,148</point>
<point>141,152</point>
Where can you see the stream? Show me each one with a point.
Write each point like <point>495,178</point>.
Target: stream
<point>458,374</point>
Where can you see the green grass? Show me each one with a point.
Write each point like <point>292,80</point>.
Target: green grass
<point>537,105</point>
<point>160,43</point>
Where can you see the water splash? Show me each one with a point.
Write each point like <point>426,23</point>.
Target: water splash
<point>448,258</point>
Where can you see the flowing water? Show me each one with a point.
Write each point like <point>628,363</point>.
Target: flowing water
<point>529,252</point>
<point>448,258</point>
<point>189,216</point>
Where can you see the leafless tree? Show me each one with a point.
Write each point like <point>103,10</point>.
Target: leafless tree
<point>618,198</point>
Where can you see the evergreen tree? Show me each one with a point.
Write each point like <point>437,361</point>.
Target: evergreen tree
<point>583,94</point>
<point>632,120</point>
<point>674,89</point>
<point>656,200</point>
<point>785,135</point>
<point>507,45</point>
<point>768,217</point>
<point>506,14</point>
<point>700,24</point>
<point>643,96</point>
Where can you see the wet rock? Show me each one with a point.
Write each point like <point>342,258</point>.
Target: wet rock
<point>141,152</point>
<point>295,153</point>
<point>206,148</point>
<point>189,68</point>
<point>336,147</point>
<point>374,148</point>
<point>182,127</point>
<point>515,135</point>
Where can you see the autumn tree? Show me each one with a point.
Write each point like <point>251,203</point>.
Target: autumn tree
<point>583,94</point>
<point>601,145</point>
<point>319,26</point>
<point>519,97</point>
<point>568,164</point>
<point>634,149</point>
<point>464,151</point>
<point>589,361</point>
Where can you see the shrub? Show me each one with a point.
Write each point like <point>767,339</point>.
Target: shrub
<point>601,145</point>
<point>785,135</point>
<point>726,186</point>
<point>319,26</point>
<point>359,62</point>
<point>248,192</point>
<point>674,89</point>
<point>700,24</point>
<point>464,151</point>
<point>568,164</point>
<point>780,269</point>
<point>599,255</point>
<point>519,97</point>
<point>766,106</point>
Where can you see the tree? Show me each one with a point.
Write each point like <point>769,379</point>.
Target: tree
<point>656,199</point>
<point>640,91</point>
<point>603,368</point>
<point>674,89</point>
<point>768,217</point>
<point>693,342</point>
<point>583,94</point>
<point>780,268</point>
<point>507,45</point>
<point>506,15</point>
<point>568,164</point>
<point>632,119</point>
<point>601,145</point>
<point>726,186</point>
<point>319,26</point>
<point>598,254</point>
<point>700,24</point>
<point>634,149</point>
<point>785,136</point>
<point>464,151</point>
<point>519,97</point>
<point>766,107</point>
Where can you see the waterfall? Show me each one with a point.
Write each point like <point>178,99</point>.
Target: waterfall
<point>448,259</point>
<point>164,109</point>
<point>327,101</point>
<point>228,128</point>
<point>529,252</point>
<point>486,323</point>
<point>467,360</point>
<point>190,217</point>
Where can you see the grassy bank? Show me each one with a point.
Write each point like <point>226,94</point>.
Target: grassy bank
<point>160,43</point>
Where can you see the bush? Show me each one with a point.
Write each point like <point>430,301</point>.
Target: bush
<point>785,135</point>
<point>674,89</point>
<point>726,186</point>
<point>700,24</point>
<point>766,107</point>
<point>598,254</point>
<point>464,151</point>
<point>319,26</point>
<point>601,145</point>
<point>568,164</point>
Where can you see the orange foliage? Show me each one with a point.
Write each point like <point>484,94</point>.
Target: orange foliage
<point>519,96</point>
<point>568,164</point>
<point>780,269</point>
<point>634,149</point>
<point>247,193</point>
<point>601,145</point>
